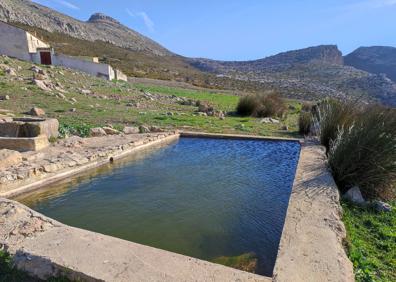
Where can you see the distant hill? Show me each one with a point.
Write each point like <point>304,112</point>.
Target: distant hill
<point>315,71</point>
<point>376,59</point>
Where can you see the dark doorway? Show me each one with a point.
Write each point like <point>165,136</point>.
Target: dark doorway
<point>45,58</point>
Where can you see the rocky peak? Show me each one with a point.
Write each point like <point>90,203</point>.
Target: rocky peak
<point>102,18</point>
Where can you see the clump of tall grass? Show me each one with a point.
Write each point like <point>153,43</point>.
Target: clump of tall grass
<point>361,145</point>
<point>330,115</point>
<point>305,122</point>
<point>363,153</point>
<point>261,105</point>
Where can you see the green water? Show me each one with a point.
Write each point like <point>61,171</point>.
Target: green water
<point>204,198</point>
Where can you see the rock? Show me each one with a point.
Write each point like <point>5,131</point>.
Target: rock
<point>37,112</point>
<point>269,120</point>
<point>61,96</point>
<point>285,127</point>
<point>36,69</point>
<point>40,84</point>
<point>381,206</point>
<point>156,129</point>
<point>131,130</point>
<point>74,100</point>
<point>86,91</point>
<point>73,110</point>
<point>354,196</point>
<point>39,76</point>
<point>97,132</point>
<point>5,97</point>
<point>169,114</point>
<point>10,71</point>
<point>144,129</point>
<point>9,158</point>
<point>111,131</point>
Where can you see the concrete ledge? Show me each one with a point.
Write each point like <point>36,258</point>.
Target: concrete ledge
<point>45,248</point>
<point>192,134</point>
<point>311,244</point>
<point>23,144</point>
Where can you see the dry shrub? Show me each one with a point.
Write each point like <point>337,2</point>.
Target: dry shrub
<point>269,105</point>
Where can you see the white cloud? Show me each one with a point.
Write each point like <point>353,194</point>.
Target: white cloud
<point>146,19</point>
<point>61,2</point>
<point>67,4</point>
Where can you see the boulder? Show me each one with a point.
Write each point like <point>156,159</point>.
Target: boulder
<point>156,129</point>
<point>269,120</point>
<point>381,206</point>
<point>40,84</point>
<point>354,196</point>
<point>111,131</point>
<point>97,132</point>
<point>9,158</point>
<point>36,69</point>
<point>144,129</point>
<point>37,112</point>
<point>131,130</point>
<point>5,97</point>
<point>10,72</point>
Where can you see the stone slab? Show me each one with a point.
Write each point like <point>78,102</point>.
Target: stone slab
<point>311,244</point>
<point>24,144</point>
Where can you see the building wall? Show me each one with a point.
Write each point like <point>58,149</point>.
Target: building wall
<point>13,42</point>
<point>34,43</point>
<point>119,75</point>
<point>99,70</point>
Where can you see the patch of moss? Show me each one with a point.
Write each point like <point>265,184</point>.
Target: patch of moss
<point>246,262</point>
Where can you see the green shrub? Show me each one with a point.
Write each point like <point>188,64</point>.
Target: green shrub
<point>270,105</point>
<point>81,130</point>
<point>363,150</point>
<point>247,105</point>
<point>304,123</point>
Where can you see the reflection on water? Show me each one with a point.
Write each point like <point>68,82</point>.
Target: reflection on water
<point>205,198</point>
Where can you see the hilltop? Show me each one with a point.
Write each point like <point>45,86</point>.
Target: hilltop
<point>375,59</point>
<point>98,27</point>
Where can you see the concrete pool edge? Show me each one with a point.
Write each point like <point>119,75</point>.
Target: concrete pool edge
<point>34,184</point>
<point>311,246</point>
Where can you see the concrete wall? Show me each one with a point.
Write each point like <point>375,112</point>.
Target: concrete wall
<point>119,75</point>
<point>13,42</point>
<point>34,43</point>
<point>99,70</point>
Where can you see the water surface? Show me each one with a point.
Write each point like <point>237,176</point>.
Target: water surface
<point>199,197</point>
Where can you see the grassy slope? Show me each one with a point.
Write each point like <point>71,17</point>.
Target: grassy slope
<point>371,243</point>
<point>91,111</point>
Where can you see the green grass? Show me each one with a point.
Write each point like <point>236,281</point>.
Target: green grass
<point>92,112</point>
<point>8,273</point>
<point>371,242</point>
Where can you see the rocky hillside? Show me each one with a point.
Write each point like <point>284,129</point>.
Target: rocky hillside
<point>98,27</point>
<point>327,54</point>
<point>376,59</point>
<point>316,72</point>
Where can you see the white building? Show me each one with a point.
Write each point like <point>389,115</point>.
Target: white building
<point>20,44</point>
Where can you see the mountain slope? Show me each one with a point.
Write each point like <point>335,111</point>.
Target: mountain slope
<point>315,71</point>
<point>98,27</point>
<point>375,59</point>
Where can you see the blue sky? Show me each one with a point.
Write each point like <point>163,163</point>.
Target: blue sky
<point>247,29</point>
